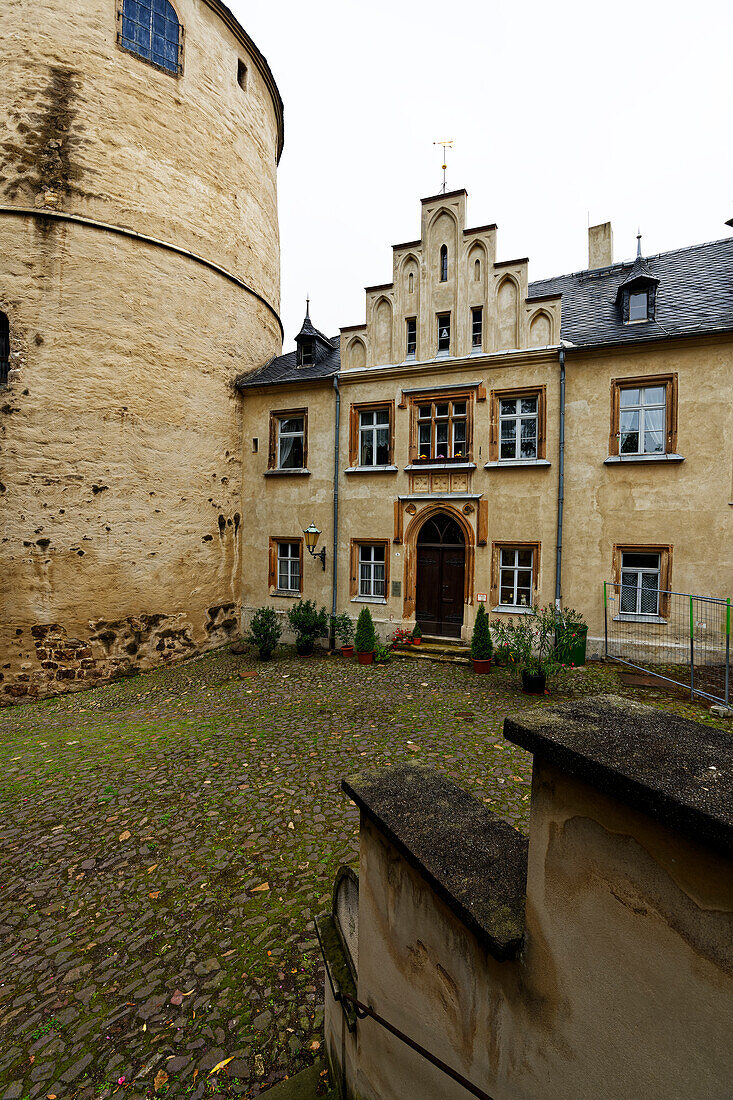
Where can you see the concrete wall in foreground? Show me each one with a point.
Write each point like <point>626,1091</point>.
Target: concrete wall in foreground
<point>624,985</point>
<point>120,500</point>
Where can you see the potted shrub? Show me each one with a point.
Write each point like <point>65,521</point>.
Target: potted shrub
<point>481,645</point>
<point>343,628</point>
<point>308,624</point>
<point>382,654</point>
<point>532,647</point>
<point>417,635</point>
<point>366,638</point>
<point>265,629</point>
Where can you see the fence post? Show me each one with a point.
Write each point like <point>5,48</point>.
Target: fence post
<point>728,652</point>
<point>605,619</point>
<point>692,650</point>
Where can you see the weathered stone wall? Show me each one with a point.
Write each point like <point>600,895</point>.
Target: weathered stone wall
<point>120,470</point>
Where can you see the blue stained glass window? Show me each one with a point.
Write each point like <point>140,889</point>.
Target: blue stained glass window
<point>150,29</point>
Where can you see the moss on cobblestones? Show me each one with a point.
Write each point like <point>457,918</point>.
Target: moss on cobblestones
<point>167,842</point>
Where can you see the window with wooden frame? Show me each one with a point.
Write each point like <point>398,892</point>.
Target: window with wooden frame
<point>286,566</point>
<point>518,424</point>
<point>642,577</point>
<point>441,427</point>
<point>515,571</point>
<point>643,416</point>
<point>288,440</point>
<point>371,435</point>
<point>370,569</point>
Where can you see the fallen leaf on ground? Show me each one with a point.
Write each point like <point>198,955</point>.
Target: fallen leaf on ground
<point>154,894</point>
<point>315,1045</point>
<point>151,869</point>
<point>126,835</point>
<point>220,1065</point>
<point>160,1079</point>
<point>264,886</point>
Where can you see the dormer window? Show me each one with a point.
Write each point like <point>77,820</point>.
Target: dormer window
<point>636,297</point>
<point>444,264</point>
<point>639,305</point>
<point>306,353</point>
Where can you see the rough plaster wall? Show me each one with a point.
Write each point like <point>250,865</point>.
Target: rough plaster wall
<point>120,431</point>
<point>95,131</point>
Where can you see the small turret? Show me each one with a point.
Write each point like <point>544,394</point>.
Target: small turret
<point>312,345</point>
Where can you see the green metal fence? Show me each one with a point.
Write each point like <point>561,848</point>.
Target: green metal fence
<point>675,636</point>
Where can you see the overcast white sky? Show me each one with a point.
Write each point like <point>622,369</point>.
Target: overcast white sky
<point>559,112</point>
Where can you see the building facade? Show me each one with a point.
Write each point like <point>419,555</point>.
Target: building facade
<point>139,275</point>
<point>452,401</point>
<point>161,458</point>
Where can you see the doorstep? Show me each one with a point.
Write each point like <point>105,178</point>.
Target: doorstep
<point>446,651</point>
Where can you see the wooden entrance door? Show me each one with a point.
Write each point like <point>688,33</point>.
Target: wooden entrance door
<point>441,565</point>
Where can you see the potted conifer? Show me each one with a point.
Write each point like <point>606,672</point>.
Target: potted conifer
<point>481,645</point>
<point>366,638</point>
<point>417,635</point>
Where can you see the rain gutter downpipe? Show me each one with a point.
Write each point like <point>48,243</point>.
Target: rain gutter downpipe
<point>560,485</point>
<point>334,586</point>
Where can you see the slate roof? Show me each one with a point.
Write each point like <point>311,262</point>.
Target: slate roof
<point>284,368</point>
<point>694,296</point>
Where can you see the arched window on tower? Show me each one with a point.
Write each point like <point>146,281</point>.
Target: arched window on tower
<point>444,263</point>
<point>4,348</point>
<point>151,30</point>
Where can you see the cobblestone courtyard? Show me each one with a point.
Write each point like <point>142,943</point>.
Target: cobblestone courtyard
<point>167,841</point>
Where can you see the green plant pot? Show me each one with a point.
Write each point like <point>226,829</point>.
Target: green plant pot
<point>577,653</point>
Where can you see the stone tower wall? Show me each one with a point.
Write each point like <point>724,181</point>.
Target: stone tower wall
<point>120,433</point>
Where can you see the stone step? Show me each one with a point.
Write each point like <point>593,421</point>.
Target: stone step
<point>451,652</point>
<point>306,1085</point>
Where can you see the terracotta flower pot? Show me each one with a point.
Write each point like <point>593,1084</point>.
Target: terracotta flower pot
<point>365,658</point>
<point>417,641</point>
<point>533,683</point>
<point>481,666</point>
<point>347,650</point>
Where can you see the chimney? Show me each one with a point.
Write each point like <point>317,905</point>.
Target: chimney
<point>600,246</point>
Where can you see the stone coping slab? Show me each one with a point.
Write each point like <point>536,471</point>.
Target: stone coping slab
<point>676,771</point>
<point>474,860</point>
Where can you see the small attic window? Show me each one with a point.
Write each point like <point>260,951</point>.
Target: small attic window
<point>242,75</point>
<point>307,353</point>
<point>639,305</point>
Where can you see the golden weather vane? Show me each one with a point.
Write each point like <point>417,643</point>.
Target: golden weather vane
<point>445,146</point>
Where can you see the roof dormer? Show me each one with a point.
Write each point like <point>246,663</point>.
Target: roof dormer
<point>312,345</point>
<point>636,297</point>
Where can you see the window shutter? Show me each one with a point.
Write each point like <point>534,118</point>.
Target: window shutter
<point>541,423</point>
<point>493,428</point>
<point>272,571</point>
<point>353,436</point>
<point>483,522</point>
<point>354,567</point>
<point>397,521</point>
<point>272,456</point>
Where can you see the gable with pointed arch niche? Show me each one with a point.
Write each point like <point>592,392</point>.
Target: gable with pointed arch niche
<point>507,306</point>
<point>356,356</point>
<point>383,331</point>
<point>540,330</point>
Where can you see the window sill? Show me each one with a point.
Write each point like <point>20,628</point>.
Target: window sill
<point>371,470</point>
<point>282,594</point>
<point>302,472</point>
<point>477,351</point>
<point>619,460</point>
<point>628,618</point>
<point>414,466</point>
<point>512,462</point>
<point>511,609</point>
<point>368,599</point>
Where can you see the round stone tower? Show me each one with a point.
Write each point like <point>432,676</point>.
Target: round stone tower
<point>139,275</point>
